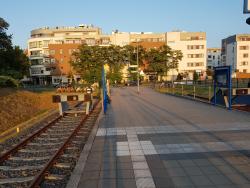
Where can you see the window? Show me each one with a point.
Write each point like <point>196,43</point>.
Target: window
<point>190,64</point>
<point>35,53</point>
<point>195,47</point>
<point>61,60</point>
<point>244,63</point>
<point>245,55</point>
<point>57,80</point>
<point>244,70</point>
<point>244,39</point>
<point>46,52</point>
<point>195,55</point>
<point>46,60</point>
<point>32,45</point>
<point>90,41</point>
<point>61,51</point>
<point>59,42</point>
<point>244,47</point>
<point>45,43</point>
<point>40,44</point>
<point>199,64</point>
<point>36,70</point>
<point>52,60</point>
<point>155,40</point>
<point>196,64</point>
<point>195,38</point>
<point>36,61</point>
<point>209,56</point>
<point>52,52</point>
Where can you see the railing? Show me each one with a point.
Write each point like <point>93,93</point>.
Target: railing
<point>196,91</point>
<point>200,90</point>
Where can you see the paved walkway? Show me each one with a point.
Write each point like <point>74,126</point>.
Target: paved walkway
<point>155,140</point>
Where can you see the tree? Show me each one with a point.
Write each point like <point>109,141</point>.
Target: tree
<point>163,59</point>
<point>179,77</point>
<point>89,60</point>
<point>210,73</point>
<point>195,76</point>
<point>5,40</point>
<point>131,54</point>
<point>14,62</point>
<point>115,59</point>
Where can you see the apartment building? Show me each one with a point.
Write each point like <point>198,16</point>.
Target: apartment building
<point>43,66</point>
<point>213,57</point>
<point>120,38</point>
<point>194,48</point>
<point>236,52</point>
<point>50,49</point>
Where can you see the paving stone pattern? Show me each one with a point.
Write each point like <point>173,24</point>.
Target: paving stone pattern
<point>153,140</point>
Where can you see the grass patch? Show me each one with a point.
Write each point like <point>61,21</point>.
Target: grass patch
<point>17,106</point>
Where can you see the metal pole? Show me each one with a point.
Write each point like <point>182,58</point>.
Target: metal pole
<point>215,98</point>
<point>209,93</point>
<point>138,74</point>
<point>230,88</point>
<point>194,92</point>
<point>182,90</point>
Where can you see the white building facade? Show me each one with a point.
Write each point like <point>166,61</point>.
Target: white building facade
<point>193,45</point>
<point>236,52</point>
<point>213,57</point>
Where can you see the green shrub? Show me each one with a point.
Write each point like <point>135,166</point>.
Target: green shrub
<point>7,81</point>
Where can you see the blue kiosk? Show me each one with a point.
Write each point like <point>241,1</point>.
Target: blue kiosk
<point>223,82</point>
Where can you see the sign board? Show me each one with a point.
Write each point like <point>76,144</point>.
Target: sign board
<point>104,91</point>
<point>246,7</point>
<point>133,66</point>
<point>223,79</point>
<point>71,97</point>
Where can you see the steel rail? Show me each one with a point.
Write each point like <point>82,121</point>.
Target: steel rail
<point>24,142</point>
<point>17,147</point>
<point>39,177</point>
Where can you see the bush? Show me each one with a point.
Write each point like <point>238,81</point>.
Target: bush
<point>7,81</point>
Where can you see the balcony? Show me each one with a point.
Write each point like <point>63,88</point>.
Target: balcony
<point>39,70</point>
<point>38,56</point>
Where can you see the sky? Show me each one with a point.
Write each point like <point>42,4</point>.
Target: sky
<point>218,18</point>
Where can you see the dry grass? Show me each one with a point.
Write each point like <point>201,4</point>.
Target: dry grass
<point>17,106</point>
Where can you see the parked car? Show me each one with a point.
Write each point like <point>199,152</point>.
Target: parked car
<point>131,83</point>
<point>61,85</point>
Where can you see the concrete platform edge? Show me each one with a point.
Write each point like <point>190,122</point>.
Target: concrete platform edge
<point>79,168</point>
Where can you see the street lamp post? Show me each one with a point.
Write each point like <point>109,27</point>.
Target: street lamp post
<point>138,75</point>
<point>61,74</point>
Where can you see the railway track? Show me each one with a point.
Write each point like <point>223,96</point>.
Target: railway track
<point>47,157</point>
